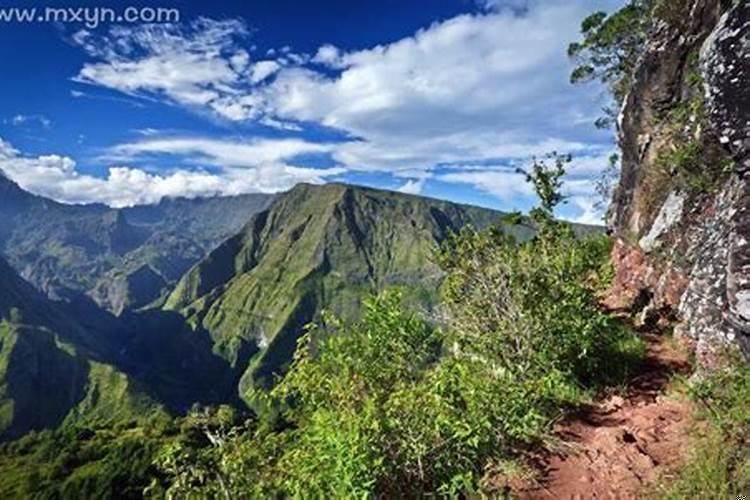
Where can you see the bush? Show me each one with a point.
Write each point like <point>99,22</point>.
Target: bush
<point>397,405</point>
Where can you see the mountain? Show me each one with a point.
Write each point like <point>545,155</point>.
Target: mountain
<point>316,247</point>
<point>53,370</point>
<point>121,258</point>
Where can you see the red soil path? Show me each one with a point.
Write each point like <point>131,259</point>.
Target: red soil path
<point>617,446</point>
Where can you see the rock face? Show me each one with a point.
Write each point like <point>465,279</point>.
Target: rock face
<point>681,211</point>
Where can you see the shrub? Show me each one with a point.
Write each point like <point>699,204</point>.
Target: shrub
<point>395,405</point>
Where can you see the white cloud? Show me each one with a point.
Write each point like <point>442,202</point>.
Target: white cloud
<point>221,153</point>
<point>262,70</point>
<point>198,66</point>
<point>56,177</point>
<point>591,213</point>
<point>470,90</point>
<point>412,186</point>
<point>7,150</point>
<point>474,87</point>
<point>328,55</point>
<point>505,184</point>
<point>503,4</point>
<point>280,124</point>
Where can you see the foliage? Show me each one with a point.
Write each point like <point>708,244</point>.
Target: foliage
<point>395,404</point>
<point>83,462</point>
<point>609,50</point>
<point>542,312</point>
<point>719,466</point>
<point>399,406</point>
<point>547,182</point>
<point>317,247</point>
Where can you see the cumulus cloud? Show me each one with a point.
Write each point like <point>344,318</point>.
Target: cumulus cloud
<point>56,177</point>
<point>471,90</point>
<point>328,55</point>
<point>263,69</point>
<point>473,87</point>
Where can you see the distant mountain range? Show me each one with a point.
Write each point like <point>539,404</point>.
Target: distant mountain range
<point>120,258</point>
<point>113,314</point>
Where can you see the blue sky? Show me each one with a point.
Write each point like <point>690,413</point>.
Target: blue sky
<point>442,98</point>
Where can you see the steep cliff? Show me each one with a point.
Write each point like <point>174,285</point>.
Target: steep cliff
<point>680,212</point>
<point>53,370</point>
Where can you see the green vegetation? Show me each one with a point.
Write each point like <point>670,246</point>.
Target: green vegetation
<point>83,462</point>
<point>719,464</point>
<point>317,247</point>
<point>54,371</point>
<point>399,405</point>
<point>396,403</point>
<point>122,258</point>
<point>609,50</point>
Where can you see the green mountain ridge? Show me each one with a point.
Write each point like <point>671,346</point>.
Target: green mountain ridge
<point>316,247</point>
<point>231,323</point>
<point>120,258</point>
<point>53,370</point>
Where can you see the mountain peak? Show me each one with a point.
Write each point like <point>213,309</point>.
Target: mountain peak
<point>316,247</point>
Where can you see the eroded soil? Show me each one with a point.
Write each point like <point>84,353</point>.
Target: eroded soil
<point>616,447</point>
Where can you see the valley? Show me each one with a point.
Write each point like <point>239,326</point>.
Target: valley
<point>243,256</point>
<point>229,324</point>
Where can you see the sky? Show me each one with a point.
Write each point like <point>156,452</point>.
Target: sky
<point>445,98</point>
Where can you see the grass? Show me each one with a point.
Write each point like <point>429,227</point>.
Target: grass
<point>718,465</point>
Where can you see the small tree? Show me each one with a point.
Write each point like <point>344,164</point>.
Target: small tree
<point>609,51</point>
<point>547,181</point>
<point>546,176</point>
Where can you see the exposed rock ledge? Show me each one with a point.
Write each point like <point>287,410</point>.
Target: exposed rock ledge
<point>680,255</point>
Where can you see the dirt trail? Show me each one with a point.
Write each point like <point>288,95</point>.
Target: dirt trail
<point>618,445</point>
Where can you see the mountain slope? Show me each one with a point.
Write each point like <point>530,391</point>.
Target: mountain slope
<point>52,370</point>
<point>316,247</point>
<point>122,259</point>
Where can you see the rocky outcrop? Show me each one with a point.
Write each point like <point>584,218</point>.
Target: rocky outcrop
<point>683,233</point>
